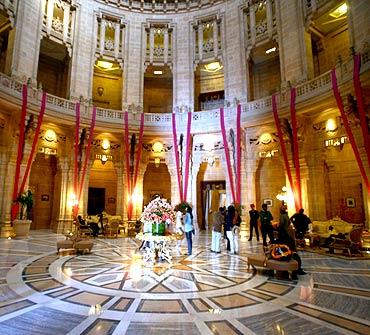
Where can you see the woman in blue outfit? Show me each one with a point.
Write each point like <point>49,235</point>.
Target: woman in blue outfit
<point>189,228</point>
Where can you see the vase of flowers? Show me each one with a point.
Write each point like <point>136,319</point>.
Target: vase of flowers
<point>158,214</point>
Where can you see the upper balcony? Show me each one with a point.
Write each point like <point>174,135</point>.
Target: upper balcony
<point>253,113</point>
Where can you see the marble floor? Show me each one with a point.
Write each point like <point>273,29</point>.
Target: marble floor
<point>110,291</point>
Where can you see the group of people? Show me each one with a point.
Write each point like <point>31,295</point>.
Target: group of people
<point>91,225</point>
<point>284,233</point>
<point>229,221</point>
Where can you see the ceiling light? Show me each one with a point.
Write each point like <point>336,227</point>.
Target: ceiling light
<point>104,64</point>
<point>50,135</point>
<point>338,12</point>
<point>158,72</point>
<point>270,50</point>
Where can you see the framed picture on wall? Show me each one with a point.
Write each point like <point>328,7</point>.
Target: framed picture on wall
<point>350,202</point>
<point>268,202</point>
<point>44,197</point>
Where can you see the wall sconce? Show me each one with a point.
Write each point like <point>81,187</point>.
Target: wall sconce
<point>103,159</point>
<point>105,144</point>
<point>283,196</point>
<point>157,147</point>
<point>50,136</point>
<point>210,160</point>
<point>331,125</point>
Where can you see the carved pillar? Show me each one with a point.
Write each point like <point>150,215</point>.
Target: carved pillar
<point>102,36</point>
<point>49,16</point>
<point>165,52</point>
<point>4,162</point>
<point>175,194</point>
<point>200,41</point>
<point>116,39</point>
<point>65,23</point>
<point>193,192</point>
<point>269,18</point>
<point>63,171</point>
<point>120,188</point>
<point>151,45</point>
<point>215,38</point>
<point>252,17</point>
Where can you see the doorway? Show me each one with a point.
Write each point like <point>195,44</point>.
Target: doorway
<point>96,200</point>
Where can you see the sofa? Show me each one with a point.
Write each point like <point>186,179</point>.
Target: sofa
<point>321,228</point>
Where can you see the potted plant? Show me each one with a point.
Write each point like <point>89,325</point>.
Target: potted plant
<point>22,225</point>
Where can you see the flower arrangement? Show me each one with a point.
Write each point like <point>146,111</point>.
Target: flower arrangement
<point>26,202</point>
<point>158,213</point>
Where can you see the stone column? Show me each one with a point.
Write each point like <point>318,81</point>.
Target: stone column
<point>234,54</point>
<point>200,41</point>
<point>165,52</point>
<point>193,176</point>
<point>66,10</point>
<point>269,18</point>
<point>102,36</point>
<point>215,38</point>
<point>27,40</point>
<point>116,39</point>
<point>63,169</point>
<point>183,66</point>
<point>252,18</point>
<point>359,28</point>
<point>151,45</point>
<point>49,16</point>
<point>4,161</point>
<point>83,55</point>
<point>175,193</point>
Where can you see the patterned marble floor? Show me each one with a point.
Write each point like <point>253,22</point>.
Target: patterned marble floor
<point>110,291</point>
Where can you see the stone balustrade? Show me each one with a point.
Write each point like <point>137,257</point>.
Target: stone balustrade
<point>63,108</point>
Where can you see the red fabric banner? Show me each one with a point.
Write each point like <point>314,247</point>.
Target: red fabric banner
<point>22,124</point>
<point>360,104</point>
<point>75,172</point>
<point>139,150</point>
<point>283,148</point>
<point>34,143</point>
<point>188,154</point>
<point>87,153</point>
<point>348,129</point>
<point>127,149</point>
<point>176,150</point>
<point>293,118</point>
<point>238,154</point>
<point>227,154</point>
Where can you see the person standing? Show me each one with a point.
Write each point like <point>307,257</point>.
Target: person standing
<point>253,223</point>
<point>229,227</point>
<point>189,229</point>
<point>218,221</point>
<point>266,225</point>
<point>301,222</point>
<point>179,227</point>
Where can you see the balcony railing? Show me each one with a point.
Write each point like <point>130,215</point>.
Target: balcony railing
<point>60,107</point>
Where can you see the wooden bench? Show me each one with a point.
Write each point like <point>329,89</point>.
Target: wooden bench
<point>271,264</point>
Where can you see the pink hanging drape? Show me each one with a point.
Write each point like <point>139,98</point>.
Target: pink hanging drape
<point>75,172</point>
<point>187,155</point>
<point>176,151</point>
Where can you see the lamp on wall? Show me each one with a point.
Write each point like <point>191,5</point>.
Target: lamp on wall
<point>331,125</point>
<point>103,159</point>
<point>157,147</point>
<point>157,161</point>
<point>105,144</point>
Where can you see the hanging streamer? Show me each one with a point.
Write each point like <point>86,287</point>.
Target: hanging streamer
<point>188,153</point>
<point>129,192</point>
<point>139,150</point>
<point>283,149</point>
<point>87,153</point>
<point>293,118</point>
<point>174,135</point>
<point>227,154</point>
<point>238,154</point>
<point>34,143</point>
<point>360,104</point>
<point>75,172</point>
<point>15,205</point>
<point>348,129</point>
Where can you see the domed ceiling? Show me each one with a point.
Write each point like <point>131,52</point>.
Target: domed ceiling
<point>163,6</point>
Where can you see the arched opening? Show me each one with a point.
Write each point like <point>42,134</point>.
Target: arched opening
<point>53,68</point>
<point>158,89</point>
<point>102,194</point>
<point>264,71</point>
<point>107,84</point>
<point>46,188</point>
<point>209,87</point>
<point>211,192</point>
<point>157,182</point>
